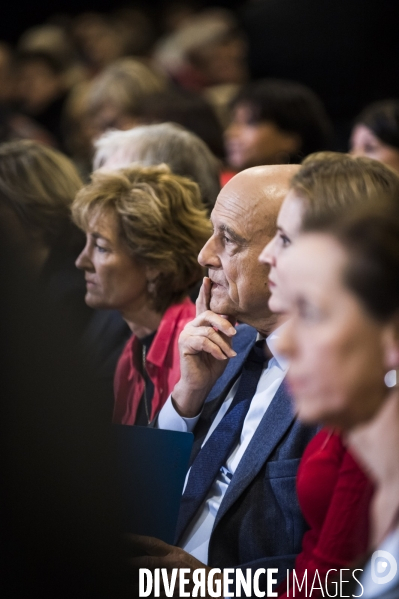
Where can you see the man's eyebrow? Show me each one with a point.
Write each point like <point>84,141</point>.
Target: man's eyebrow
<point>233,235</point>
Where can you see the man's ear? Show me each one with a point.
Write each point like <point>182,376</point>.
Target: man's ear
<point>391,343</point>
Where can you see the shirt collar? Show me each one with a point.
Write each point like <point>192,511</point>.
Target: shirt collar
<point>271,341</point>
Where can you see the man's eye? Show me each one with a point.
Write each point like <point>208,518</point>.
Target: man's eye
<point>227,239</point>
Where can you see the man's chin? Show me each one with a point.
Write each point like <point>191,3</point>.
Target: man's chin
<point>220,306</point>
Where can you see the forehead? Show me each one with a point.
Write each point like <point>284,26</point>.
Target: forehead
<point>103,223</point>
<point>291,211</point>
<point>249,214</point>
<point>361,133</point>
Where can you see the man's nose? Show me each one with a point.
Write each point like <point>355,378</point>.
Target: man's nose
<point>208,256</point>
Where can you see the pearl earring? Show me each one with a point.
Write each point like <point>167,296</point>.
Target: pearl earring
<point>391,378</point>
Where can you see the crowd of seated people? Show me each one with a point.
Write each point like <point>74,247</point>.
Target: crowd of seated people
<point>216,267</point>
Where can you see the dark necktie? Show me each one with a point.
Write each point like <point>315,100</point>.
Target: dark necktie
<point>220,444</point>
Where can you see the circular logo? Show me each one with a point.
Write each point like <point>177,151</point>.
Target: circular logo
<point>383,567</point>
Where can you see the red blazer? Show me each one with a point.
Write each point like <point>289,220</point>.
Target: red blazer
<point>334,495</point>
<point>163,365</point>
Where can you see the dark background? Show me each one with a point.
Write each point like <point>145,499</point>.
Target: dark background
<point>19,15</point>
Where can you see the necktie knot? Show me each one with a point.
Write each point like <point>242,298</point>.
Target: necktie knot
<point>257,353</point>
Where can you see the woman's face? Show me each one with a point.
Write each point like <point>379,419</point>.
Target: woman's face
<point>114,280</point>
<point>251,143</point>
<point>363,142</point>
<point>288,225</point>
<point>337,352</point>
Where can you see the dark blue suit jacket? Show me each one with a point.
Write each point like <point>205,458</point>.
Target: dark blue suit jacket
<point>259,523</point>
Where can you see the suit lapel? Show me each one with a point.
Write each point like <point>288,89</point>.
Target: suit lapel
<point>242,347</point>
<point>221,389</point>
<point>273,426</point>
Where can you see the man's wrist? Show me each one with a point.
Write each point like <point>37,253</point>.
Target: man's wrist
<point>188,402</point>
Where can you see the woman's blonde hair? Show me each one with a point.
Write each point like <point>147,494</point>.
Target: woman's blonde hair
<point>330,182</point>
<point>39,184</point>
<point>161,220</point>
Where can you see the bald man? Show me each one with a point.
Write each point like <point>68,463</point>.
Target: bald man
<point>239,508</point>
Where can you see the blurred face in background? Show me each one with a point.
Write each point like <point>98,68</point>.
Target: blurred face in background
<point>336,349</point>
<point>364,142</point>
<point>250,143</point>
<point>288,225</point>
<point>37,85</point>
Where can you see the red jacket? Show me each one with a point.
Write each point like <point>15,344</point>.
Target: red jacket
<point>162,362</point>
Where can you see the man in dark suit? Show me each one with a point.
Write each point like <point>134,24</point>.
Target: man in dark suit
<point>239,507</point>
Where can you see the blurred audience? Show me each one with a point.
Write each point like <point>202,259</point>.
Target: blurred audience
<point>189,110</point>
<point>40,91</point>
<point>144,230</point>
<point>118,94</point>
<point>185,154</point>
<point>205,49</point>
<point>275,122</point>
<point>376,133</point>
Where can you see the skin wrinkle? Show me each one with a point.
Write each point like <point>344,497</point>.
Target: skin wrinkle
<point>248,205</point>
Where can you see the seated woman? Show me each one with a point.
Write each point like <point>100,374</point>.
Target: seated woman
<point>376,133</point>
<point>342,294</point>
<point>275,122</point>
<point>336,511</point>
<point>144,229</point>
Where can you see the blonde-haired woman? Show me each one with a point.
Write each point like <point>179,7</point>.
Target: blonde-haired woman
<point>144,230</point>
<point>327,185</point>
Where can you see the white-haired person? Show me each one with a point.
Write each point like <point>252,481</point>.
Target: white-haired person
<point>183,151</point>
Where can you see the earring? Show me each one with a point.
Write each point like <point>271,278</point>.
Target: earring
<point>151,287</point>
<point>391,379</point>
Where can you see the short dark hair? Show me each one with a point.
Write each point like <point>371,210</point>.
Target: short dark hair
<point>382,118</point>
<point>291,106</point>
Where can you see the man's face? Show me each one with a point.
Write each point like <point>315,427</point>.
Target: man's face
<point>244,220</point>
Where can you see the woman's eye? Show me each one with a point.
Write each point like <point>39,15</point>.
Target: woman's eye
<point>101,249</point>
<point>286,241</point>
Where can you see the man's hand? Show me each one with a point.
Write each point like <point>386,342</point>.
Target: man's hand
<point>205,348</point>
<point>157,554</point>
